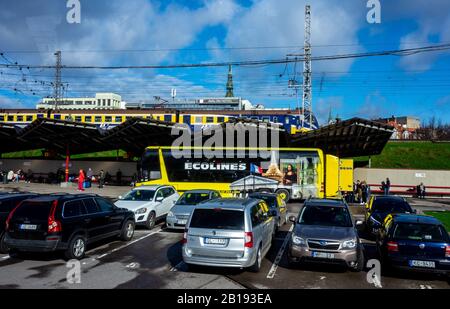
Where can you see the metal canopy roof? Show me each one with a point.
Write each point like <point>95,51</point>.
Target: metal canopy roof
<point>354,137</point>
<point>350,138</point>
<point>137,133</point>
<point>133,135</point>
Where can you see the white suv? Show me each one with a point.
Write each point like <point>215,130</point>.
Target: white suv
<point>149,203</point>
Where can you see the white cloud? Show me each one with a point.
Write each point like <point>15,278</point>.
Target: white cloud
<point>324,105</point>
<point>374,106</point>
<point>8,102</point>
<point>281,23</point>
<point>432,27</point>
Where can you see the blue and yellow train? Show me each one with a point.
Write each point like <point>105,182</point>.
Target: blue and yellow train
<point>291,120</point>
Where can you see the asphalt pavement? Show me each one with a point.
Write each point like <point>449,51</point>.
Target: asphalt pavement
<point>153,260</point>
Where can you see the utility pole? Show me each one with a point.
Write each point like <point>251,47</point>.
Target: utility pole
<point>307,72</point>
<point>57,83</point>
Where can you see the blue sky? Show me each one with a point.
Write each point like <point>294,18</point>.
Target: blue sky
<point>139,32</point>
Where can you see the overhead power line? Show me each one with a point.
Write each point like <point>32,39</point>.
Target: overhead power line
<point>292,58</point>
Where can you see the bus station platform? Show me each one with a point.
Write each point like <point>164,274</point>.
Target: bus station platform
<point>111,192</point>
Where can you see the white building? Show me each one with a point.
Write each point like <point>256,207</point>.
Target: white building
<point>102,100</point>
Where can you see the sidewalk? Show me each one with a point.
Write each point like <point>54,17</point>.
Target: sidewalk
<point>425,205</point>
<point>108,191</point>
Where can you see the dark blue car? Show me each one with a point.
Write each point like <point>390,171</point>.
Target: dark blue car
<point>414,242</point>
<point>380,207</point>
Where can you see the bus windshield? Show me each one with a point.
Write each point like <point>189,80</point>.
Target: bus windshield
<point>149,166</point>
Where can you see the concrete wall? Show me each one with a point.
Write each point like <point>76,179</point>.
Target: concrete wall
<point>46,166</point>
<point>407,177</point>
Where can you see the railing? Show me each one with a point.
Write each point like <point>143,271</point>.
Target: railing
<point>411,190</point>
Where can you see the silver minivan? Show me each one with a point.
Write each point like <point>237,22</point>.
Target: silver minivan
<point>228,233</point>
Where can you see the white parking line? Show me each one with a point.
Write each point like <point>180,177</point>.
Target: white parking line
<point>274,267</point>
<point>126,245</point>
<point>5,257</point>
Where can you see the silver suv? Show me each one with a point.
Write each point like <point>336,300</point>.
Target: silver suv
<point>228,233</point>
<point>325,233</point>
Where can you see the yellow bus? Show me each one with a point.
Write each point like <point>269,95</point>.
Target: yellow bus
<point>293,173</point>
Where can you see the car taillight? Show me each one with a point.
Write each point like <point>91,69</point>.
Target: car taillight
<point>10,216</point>
<point>54,226</point>
<point>447,251</point>
<point>248,240</point>
<point>184,240</point>
<point>392,246</point>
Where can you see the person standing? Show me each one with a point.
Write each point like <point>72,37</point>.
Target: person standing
<point>422,191</point>
<point>101,178</point>
<point>119,177</point>
<point>364,192</point>
<point>359,190</point>
<point>10,175</point>
<point>81,180</point>
<point>383,187</point>
<point>388,186</point>
<point>89,175</point>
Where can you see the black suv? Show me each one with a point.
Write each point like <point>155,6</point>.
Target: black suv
<point>67,222</point>
<point>9,201</point>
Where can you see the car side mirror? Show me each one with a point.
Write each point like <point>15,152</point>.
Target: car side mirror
<point>159,199</point>
<point>414,211</point>
<point>293,219</point>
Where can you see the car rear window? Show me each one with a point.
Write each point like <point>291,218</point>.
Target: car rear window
<point>390,206</point>
<point>270,200</point>
<point>33,210</point>
<point>221,219</point>
<point>420,232</point>
<point>74,209</point>
<point>91,206</point>
<point>6,205</point>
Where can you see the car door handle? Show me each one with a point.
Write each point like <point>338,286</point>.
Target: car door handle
<point>87,220</point>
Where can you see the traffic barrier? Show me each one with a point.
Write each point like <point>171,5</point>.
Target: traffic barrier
<point>411,190</point>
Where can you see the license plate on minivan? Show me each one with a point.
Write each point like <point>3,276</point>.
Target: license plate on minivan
<point>323,255</point>
<point>215,241</point>
<point>426,264</point>
<point>28,227</point>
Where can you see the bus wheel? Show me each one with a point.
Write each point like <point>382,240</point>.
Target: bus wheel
<point>284,194</point>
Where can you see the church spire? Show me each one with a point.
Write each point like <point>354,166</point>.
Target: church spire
<point>230,83</point>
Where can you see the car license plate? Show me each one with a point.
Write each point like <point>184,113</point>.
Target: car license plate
<point>215,241</point>
<point>426,264</point>
<point>324,255</point>
<point>182,222</point>
<point>28,227</point>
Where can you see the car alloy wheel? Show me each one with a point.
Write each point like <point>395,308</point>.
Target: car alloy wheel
<point>130,230</point>
<point>78,247</point>
<point>151,220</point>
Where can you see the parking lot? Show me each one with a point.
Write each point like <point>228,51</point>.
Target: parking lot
<point>153,260</point>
